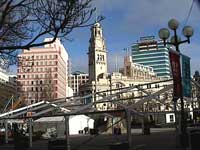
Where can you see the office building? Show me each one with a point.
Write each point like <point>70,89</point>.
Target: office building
<point>8,87</point>
<point>76,79</point>
<point>43,73</point>
<point>150,52</point>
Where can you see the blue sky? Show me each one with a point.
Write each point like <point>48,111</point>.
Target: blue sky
<point>126,21</point>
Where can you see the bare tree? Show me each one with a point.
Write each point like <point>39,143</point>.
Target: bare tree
<point>24,22</point>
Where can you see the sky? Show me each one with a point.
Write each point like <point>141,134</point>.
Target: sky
<point>128,20</point>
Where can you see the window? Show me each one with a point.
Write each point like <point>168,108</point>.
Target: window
<point>148,86</point>
<point>171,118</point>
<point>55,88</point>
<point>32,82</point>
<point>24,76</point>
<point>55,95</point>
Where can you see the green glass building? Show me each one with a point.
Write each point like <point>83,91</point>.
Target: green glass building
<point>150,52</point>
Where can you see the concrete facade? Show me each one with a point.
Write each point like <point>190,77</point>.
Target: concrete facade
<point>97,54</point>
<point>43,73</point>
<point>76,79</point>
<point>8,87</point>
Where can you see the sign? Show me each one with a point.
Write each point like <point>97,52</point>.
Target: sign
<point>186,79</point>
<point>176,73</point>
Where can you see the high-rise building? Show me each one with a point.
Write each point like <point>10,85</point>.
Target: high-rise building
<point>43,73</point>
<point>150,52</point>
<point>8,87</point>
<point>97,53</point>
<point>76,79</point>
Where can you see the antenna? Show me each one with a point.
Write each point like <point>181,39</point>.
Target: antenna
<point>96,16</point>
<point>116,64</point>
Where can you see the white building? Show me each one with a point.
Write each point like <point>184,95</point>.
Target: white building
<point>97,54</point>
<point>76,79</point>
<point>8,86</point>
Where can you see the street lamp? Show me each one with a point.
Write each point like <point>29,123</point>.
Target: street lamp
<point>175,40</point>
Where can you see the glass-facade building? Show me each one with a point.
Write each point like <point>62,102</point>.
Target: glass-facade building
<point>150,52</point>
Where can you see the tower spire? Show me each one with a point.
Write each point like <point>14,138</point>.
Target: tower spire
<point>97,53</point>
<point>96,15</point>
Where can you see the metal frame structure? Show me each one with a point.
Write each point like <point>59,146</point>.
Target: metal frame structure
<point>73,106</point>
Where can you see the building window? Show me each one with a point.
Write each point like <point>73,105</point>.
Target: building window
<point>55,95</point>
<point>55,89</point>
<point>148,86</point>
<point>171,118</point>
<point>157,85</point>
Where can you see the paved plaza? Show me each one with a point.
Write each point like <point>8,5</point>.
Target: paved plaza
<point>160,139</point>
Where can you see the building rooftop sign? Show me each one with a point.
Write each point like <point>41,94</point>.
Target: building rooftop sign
<point>147,38</point>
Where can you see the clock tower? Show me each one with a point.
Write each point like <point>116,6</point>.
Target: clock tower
<point>97,53</point>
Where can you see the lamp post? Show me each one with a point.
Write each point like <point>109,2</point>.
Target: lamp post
<point>175,40</point>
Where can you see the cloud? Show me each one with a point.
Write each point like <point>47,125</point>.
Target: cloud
<point>127,20</point>
<point>138,16</point>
